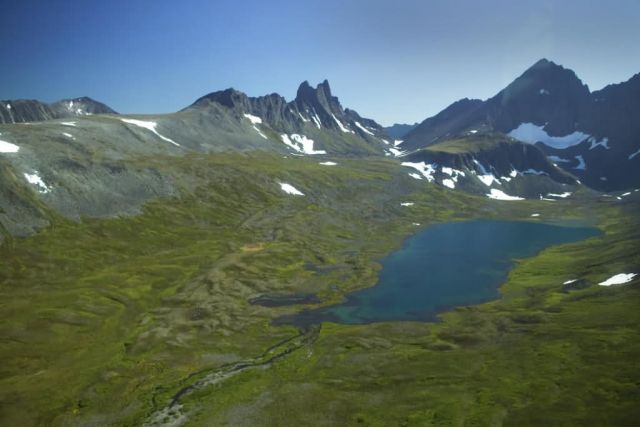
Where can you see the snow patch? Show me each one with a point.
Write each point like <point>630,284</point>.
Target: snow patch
<point>316,120</point>
<point>68,124</point>
<point>568,282</point>
<point>533,172</point>
<point>488,179</point>
<point>531,133</point>
<point>415,176</point>
<point>427,170</point>
<point>397,142</point>
<point>328,163</point>
<point>484,176</point>
<point>618,279</point>
<point>500,195</point>
<point>581,164</point>
<point>149,126</point>
<point>453,173</point>
<point>35,179</point>
<point>341,126</point>
<point>290,189</point>
<point>558,159</point>
<point>303,118</point>
<point>632,155</point>
<point>406,204</point>
<point>449,183</point>
<point>300,143</point>
<point>473,131</point>
<point>7,147</point>
<point>562,196</point>
<point>543,92</point>
<point>594,143</point>
<point>396,152</point>
<point>68,135</point>
<point>535,215</point>
<point>255,120</point>
<point>364,129</point>
<point>385,141</point>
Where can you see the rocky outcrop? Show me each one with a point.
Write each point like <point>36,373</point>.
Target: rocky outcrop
<point>29,110</point>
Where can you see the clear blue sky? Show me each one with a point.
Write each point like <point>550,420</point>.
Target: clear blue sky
<point>391,60</point>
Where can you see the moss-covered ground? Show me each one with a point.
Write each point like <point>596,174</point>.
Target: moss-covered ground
<point>104,320</point>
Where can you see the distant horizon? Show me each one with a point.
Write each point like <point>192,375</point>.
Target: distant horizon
<point>394,62</point>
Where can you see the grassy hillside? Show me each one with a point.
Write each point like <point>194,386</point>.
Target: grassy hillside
<point>104,320</point>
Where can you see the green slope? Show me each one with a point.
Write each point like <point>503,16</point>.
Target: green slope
<point>104,320</point>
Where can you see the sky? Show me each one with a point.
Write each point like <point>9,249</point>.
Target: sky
<point>390,60</point>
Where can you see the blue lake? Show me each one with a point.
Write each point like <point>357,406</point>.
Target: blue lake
<point>444,266</point>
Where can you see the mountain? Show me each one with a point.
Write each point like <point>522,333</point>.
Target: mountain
<point>314,114</point>
<point>83,164</point>
<point>491,164</point>
<point>593,135</point>
<point>399,130</point>
<point>24,110</point>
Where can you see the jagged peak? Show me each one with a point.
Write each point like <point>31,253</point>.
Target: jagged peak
<point>307,92</point>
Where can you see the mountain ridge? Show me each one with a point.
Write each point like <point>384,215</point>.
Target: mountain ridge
<point>549,105</point>
<point>31,110</point>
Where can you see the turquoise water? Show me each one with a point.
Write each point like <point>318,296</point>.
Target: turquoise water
<point>445,266</point>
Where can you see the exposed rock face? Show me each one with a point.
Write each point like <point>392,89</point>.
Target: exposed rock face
<point>24,110</point>
<point>552,100</point>
<point>313,110</point>
<point>481,162</point>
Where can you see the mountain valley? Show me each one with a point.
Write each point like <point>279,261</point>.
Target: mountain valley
<point>135,248</point>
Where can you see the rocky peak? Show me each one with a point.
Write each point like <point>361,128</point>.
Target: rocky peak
<point>229,98</point>
<point>319,100</point>
<point>80,106</point>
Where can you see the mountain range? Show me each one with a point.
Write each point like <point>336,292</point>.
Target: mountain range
<point>152,263</point>
<point>593,135</point>
<point>545,133</point>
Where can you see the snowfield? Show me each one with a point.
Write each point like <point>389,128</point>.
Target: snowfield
<point>300,143</point>
<point>342,127</point>
<point>364,129</point>
<point>256,121</point>
<point>35,179</point>
<point>427,170</point>
<point>531,133</point>
<point>149,126</point>
<point>449,183</point>
<point>7,147</point>
<point>500,195</point>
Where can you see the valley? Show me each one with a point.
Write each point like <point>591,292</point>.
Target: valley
<point>148,263</point>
